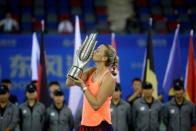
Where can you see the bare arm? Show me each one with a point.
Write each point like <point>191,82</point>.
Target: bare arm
<point>135,95</point>
<point>70,82</point>
<point>106,90</point>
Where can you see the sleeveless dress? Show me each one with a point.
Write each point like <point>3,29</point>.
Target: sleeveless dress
<point>99,120</point>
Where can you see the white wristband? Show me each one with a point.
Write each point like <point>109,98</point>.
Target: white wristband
<point>84,89</point>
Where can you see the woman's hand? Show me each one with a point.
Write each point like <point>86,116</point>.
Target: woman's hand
<point>78,82</point>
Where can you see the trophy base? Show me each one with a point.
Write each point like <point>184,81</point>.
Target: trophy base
<point>75,72</point>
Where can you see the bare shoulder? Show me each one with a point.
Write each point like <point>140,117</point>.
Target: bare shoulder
<point>109,83</point>
<point>108,78</point>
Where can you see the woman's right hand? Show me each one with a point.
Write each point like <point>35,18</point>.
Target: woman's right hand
<point>89,71</point>
<point>79,82</point>
<point>69,82</point>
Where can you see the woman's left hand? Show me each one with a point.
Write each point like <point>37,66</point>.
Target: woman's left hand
<point>78,82</point>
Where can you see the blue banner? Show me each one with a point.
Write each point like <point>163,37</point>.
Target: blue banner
<point>15,58</point>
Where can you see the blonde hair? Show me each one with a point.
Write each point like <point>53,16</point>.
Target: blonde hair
<point>110,53</point>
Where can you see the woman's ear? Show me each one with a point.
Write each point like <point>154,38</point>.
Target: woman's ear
<point>104,58</point>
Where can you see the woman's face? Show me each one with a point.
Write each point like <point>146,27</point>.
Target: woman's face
<point>99,53</point>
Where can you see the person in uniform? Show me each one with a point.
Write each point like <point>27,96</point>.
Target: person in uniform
<point>12,98</point>
<point>53,85</point>
<point>32,111</point>
<point>58,116</point>
<point>147,111</point>
<point>179,113</point>
<point>137,90</point>
<point>9,113</point>
<point>120,111</point>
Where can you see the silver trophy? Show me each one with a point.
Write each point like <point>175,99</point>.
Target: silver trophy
<point>83,56</point>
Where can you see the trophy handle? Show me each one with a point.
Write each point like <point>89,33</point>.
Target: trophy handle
<point>75,72</point>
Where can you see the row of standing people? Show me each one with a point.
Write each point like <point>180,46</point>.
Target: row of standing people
<point>147,113</point>
<point>32,115</point>
<point>143,113</point>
